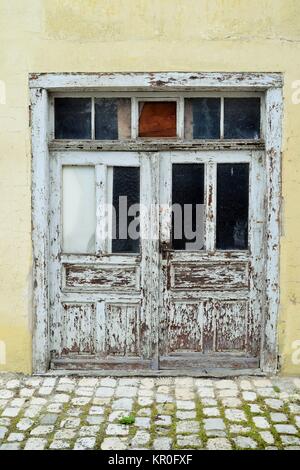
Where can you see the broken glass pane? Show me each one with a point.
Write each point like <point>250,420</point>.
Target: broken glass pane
<point>126,199</point>
<point>202,118</point>
<point>232,206</point>
<point>242,118</point>
<point>73,118</point>
<point>188,206</point>
<point>112,118</point>
<point>157,119</point>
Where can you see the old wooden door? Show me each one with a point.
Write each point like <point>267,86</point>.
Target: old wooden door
<point>187,290</point>
<point>103,283</point>
<point>212,282</point>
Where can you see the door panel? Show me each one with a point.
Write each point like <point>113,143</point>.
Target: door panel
<point>78,328</point>
<point>212,276</point>
<point>212,297</point>
<point>100,306</point>
<point>159,300</point>
<point>185,327</point>
<point>122,324</point>
<point>89,277</point>
<point>231,319</point>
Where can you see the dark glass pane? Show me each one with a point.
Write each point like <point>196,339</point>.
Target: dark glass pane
<point>72,118</point>
<point>112,118</point>
<point>157,119</point>
<point>188,208</point>
<point>202,118</point>
<point>242,118</point>
<point>232,206</point>
<point>126,198</point>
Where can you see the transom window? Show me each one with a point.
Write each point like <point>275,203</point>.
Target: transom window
<point>189,117</point>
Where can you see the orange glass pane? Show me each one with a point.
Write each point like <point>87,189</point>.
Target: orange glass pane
<point>157,119</point>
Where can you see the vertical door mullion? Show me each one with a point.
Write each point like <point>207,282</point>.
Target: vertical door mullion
<point>256,246</point>
<point>210,202</point>
<point>166,199</point>
<point>149,223</point>
<point>165,216</point>
<point>101,212</point>
<point>55,271</point>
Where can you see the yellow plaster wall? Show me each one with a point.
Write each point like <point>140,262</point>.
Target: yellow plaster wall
<point>136,35</point>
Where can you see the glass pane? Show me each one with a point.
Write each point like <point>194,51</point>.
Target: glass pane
<point>126,199</point>
<point>202,118</point>
<point>242,118</point>
<point>232,206</point>
<point>112,118</point>
<point>188,206</point>
<point>79,209</point>
<point>157,119</point>
<point>72,118</point>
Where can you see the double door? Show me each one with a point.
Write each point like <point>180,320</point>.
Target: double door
<point>156,260</point>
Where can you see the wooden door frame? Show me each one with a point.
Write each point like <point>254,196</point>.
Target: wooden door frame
<point>42,84</point>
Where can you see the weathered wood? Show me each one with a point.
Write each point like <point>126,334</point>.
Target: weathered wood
<point>144,372</point>
<point>78,330</point>
<point>210,206</point>
<point>209,276</point>
<point>104,277</point>
<point>150,255</point>
<point>101,212</point>
<point>55,248</point>
<point>154,145</point>
<point>231,319</point>
<point>206,361</point>
<point>156,81</point>
<point>122,330</point>
<point>112,153</point>
<point>274,101</point>
<point>95,299</point>
<point>257,221</point>
<point>87,363</point>
<point>40,210</point>
<point>165,219</point>
<point>184,327</point>
<point>206,293</point>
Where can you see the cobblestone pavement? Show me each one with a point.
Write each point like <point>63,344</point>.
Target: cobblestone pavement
<point>168,413</point>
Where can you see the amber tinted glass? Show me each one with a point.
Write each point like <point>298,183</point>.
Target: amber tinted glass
<point>112,118</point>
<point>157,119</point>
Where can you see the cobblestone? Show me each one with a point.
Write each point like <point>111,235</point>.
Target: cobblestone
<point>218,443</point>
<point>169,413</point>
<point>245,442</point>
